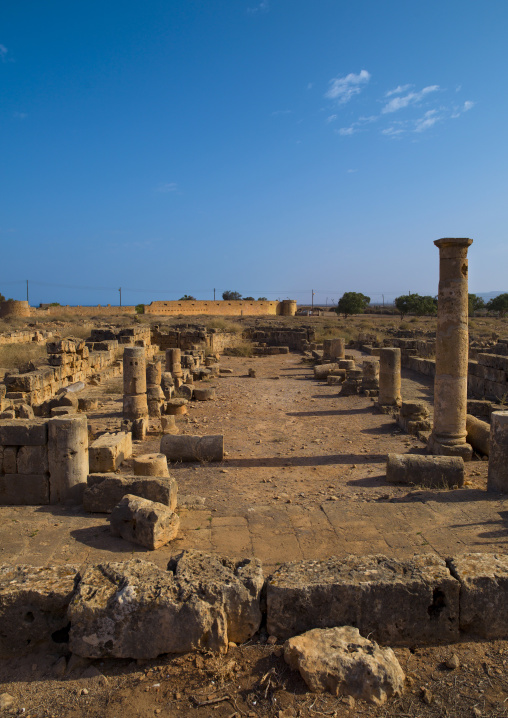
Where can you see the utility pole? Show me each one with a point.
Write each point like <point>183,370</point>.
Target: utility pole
<point>383,300</point>
<point>214,295</point>
<point>312,299</point>
<point>120,290</point>
<point>27,290</point>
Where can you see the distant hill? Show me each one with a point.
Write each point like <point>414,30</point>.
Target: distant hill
<point>489,295</point>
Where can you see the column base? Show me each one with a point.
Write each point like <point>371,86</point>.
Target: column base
<point>439,447</point>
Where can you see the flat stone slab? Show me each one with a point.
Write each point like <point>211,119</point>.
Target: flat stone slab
<point>483,581</point>
<point>409,602</point>
<point>108,451</point>
<point>33,605</point>
<point>105,491</point>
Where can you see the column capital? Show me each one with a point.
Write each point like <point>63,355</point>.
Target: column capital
<point>453,242</point>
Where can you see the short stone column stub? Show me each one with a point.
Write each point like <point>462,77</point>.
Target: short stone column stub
<point>389,377</point>
<point>497,479</point>
<point>449,433</point>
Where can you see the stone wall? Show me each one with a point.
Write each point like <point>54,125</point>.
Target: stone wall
<point>33,455</point>
<point>14,308</point>
<point>297,339</point>
<point>98,311</point>
<point>220,308</point>
<point>24,336</point>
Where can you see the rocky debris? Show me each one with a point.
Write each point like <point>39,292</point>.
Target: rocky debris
<point>176,407</point>
<point>235,585</point>
<point>204,394</point>
<point>322,371</point>
<point>483,581</point>
<point>168,425</point>
<point>6,701</point>
<point>437,472</point>
<point>33,605</point>
<point>144,522</point>
<point>105,491</point>
<point>394,602</point>
<point>341,661</point>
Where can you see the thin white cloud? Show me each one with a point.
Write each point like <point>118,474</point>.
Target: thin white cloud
<point>412,98</point>
<point>392,131</point>
<point>398,90</point>
<point>343,89</point>
<point>346,131</point>
<point>331,118</point>
<point>262,7</point>
<point>167,187</point>
<point>467,105</point>
<point>428,120</point>
<point>20,115</point>
<point>3,53</point>
<point>310,85</point>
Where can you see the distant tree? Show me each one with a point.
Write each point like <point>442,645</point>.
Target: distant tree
<point>249,299</point>
<point>498,304</point>
<point>187,297</point>
<point>352,303</point>
<point>140,308</point>
<point>262,299</point>
<point>416,304</point>
<point>2,298</point>
<point>474,303</point>
<point>231,295</point>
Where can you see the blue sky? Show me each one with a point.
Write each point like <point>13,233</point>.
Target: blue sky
<point>269,147</point>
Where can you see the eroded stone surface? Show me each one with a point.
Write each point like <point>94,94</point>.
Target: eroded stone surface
<point>341,661</point>
<point>394,602</point>
<point>235,585</point>
<point>33,604</point>
<point>483,593</point>
<point>105,491</point>
<point>134,609</point>
<point>147,523</point>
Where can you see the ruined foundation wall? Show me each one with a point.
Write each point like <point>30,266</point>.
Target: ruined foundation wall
<point>218,308</point>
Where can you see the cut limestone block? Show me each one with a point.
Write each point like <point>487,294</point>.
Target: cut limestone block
<point>67,457</point>
<point>204,394</point>
<point>409,602</point>
<point>139,429</point>
<point>10,460</point>
<point>185,391</point>
<point>193,448</point>
<point>108,451</point>
<point>144,522</point>
<point>150,465</point>
<point>33,605</point>
<point>437,472</point>
<point>135,406</point>
<point>234,585</point>
<point>483,581</point>
<point>24,432</point>
<point>134,609</point>
<point>24,489</point>
<point>105,491</point>
<point>87,404</point>
<point>342,662</point>
<point>32,460</point>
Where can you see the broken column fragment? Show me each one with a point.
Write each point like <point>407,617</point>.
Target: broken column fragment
<point>389,379</point>
<point>144,522</point>
<point>134,383</point>
<point>435,472</point>
<point>67,458</point>
<point>193,448</point>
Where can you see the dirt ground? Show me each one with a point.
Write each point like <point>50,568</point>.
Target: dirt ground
<point>303,477</point>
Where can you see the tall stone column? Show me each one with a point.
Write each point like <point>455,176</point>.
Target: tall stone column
<point>389,378</point>
<point>448,436</point>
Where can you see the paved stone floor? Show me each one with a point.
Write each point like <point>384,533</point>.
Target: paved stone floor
<point>367,520</point>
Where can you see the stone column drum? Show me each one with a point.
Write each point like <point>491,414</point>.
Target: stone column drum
<point>174,362</point>
<point>389,377</point>
<point>497,479</point>
<point>448,436</point>
<point>134,383</point>
<point>67,458</point>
